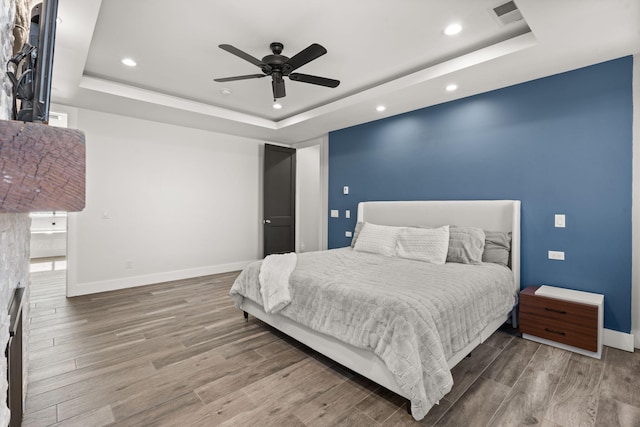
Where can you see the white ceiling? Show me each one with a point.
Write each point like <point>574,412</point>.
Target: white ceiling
<point>382,52</point>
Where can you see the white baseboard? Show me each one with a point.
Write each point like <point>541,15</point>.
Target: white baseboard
<point>78,289</point>
<point>619,340</point>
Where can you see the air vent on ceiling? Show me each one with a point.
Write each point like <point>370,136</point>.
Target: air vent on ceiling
<point>507,13</point>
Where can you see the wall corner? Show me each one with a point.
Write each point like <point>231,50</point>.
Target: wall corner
<point>635,205</point>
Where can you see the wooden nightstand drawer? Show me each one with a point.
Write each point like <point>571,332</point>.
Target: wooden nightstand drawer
<point>569,319</point>
<point>563,332</point>
<point>560,310</point>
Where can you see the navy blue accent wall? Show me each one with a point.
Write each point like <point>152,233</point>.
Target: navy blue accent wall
<point>561,144</point>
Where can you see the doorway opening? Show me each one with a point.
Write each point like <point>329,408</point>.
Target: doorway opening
<point>48,263</point>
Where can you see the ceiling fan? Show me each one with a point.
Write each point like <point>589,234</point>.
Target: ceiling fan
<point>278,66</point>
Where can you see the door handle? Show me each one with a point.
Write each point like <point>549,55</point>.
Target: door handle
<point>266,221</point>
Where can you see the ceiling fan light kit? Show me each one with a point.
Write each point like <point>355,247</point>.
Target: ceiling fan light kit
<point>279,66</point>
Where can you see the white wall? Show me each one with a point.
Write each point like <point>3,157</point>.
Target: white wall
<point>163,203</point>
<point>308,198</point>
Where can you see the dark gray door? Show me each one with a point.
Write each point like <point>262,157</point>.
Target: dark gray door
<point>279,199</point>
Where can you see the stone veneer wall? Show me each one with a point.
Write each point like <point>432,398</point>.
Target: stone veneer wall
<point>14,270</point>
<point>14,228</point>
<point>7,19</point>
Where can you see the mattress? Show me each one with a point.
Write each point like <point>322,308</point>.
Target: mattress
<point>412,315</point>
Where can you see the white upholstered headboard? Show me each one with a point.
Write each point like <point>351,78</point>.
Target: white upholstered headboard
<point>492,215</point>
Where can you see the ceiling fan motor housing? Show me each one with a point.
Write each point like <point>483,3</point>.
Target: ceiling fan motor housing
<point>277,61</point>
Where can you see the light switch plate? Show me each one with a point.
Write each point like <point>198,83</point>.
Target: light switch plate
<point>559,221</point>
<point>335,213</point>
<point>557,255</point>
<point>347,214</point>
<point>347,234</point>
<point>345,189</point>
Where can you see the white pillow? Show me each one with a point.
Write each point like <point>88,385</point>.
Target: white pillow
<point>424,244</point>
<point>377,239</point>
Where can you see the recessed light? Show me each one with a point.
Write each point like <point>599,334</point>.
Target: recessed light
<point>381,108</point>
<point>129,62</point>
<point>277,106</point>
<point>453,29</point>
<point>451,87</point>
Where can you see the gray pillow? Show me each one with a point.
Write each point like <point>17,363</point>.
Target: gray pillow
<point>466,245</point>
<point>497,246</point>
<point>356,233</point>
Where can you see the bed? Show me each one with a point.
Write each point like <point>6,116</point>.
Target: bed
<point>331,291</point>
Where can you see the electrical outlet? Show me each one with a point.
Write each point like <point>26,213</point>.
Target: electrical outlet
<point>347,214</point>
<point>559,221</point>
<point>557,255</point>
<point>345,189</point>
<point>129,264</point>
<point>335,213</point>
<point>348,234</point>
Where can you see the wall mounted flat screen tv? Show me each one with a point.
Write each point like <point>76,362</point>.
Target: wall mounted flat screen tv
<point>30,70</point>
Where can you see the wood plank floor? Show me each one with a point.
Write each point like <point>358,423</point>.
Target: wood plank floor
<point>179,353</point>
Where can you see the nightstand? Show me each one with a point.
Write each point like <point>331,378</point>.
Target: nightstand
<point>564,318</point>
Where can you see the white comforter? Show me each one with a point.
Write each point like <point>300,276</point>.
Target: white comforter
<point>413,315</point>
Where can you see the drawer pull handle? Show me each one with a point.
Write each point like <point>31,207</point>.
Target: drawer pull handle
<point>555,311</point>
<point>554,332</point>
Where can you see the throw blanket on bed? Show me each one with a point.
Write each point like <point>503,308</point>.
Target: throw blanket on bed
<point>412,314</point>
<point>274,281</point>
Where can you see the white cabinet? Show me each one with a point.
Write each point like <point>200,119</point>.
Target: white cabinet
<point>48,234</point>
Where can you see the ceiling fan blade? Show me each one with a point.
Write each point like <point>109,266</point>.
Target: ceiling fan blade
<point>249,76</point>
<point>237,52</point>
<point>305,56</point>
<point>314,80</point>
<point>278,88</point>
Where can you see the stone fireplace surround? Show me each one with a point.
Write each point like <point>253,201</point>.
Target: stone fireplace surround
<point>14,228</point>
<point>14,271</point>
<point>24,188</point>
